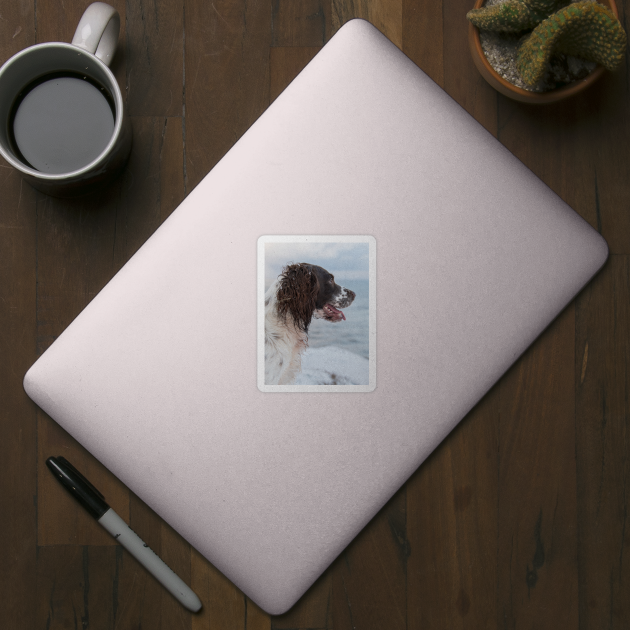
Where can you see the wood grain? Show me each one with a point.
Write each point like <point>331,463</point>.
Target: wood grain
<point>452,500</point>
<point>537,511</point>
<point>422,36</point>
<point>369,577</point>
<point>574,149</point>
<point>80,234</point>
<point>519,519</point>
<point>57,22</point>
<point>226,78</point>
<point>111,230</point>
<point>61,521</point>
<point>17,28</point>
<point>461,79</point>
<point>151,187</point>
<point>146,602</point>
<point>386,15</point>
<point>154,57</point>
<point>300,22</point>
<point>452,515</point>
<point>313,610</point>
<point>602,380</point>
<point>285,64</point>
<point>76,587</point>
<point>18,416</point>
<point>609,134</point>
<point>224,606</point>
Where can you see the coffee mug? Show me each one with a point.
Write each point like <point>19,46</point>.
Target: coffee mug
<point>62,114</point>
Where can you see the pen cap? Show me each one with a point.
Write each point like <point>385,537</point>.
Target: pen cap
<point>78,486</point>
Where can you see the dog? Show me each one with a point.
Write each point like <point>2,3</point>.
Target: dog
<point>302,292</point>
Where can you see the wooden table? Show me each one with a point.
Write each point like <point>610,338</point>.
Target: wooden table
<point>518,520</point>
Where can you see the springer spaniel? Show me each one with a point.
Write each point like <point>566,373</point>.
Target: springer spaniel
<point>301,292</point>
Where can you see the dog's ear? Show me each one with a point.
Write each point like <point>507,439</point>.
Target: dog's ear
<point>297,294</point>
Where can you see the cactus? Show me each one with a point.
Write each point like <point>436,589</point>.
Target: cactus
<point>584,29</point>
<point>513,16</point>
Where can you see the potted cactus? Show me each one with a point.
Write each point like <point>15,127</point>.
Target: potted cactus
<point>558,49</point>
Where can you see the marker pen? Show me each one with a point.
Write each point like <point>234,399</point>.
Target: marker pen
<point>94,502</point>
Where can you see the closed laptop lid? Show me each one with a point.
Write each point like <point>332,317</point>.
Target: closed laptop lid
<point>459,257</point>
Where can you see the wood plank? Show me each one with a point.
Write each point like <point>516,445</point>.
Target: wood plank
<point>142,600</point>
<point>83,234</point>
<point>74,248</point>
<point>61,520</point>
<point>537,537</point>
<point>452,499</point>
<point>578,148</point>
<point>369,577</point>
<point>76,587</point>
<point>572,147</point>
<point>226,78</point>
<point>313,609</point>
<point>603,468</point>
<point>93,238</point>
<point>224,606</point>
<point>558,147</point>
<point>154,57</point>
<point>56,23</point>
<point>176,552</point>
<point>171,158</point>
<point>452,527</point>
<point>386,15</point>
<point>17,28</point>
<point>564,147</point>
<point>608,127</point>
<point>90,217</point>
<point>152,185</point>
<point>300,22</point>
<point>461,78</point>
<point>18,415</point>
<point>422,36</point>
<point>255,618</point>
<point>285,64</point>
<point>18,420</point>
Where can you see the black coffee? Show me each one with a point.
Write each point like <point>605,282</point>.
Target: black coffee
<point>61,123</point>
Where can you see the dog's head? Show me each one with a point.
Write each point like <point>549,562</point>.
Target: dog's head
<point>306,291</point>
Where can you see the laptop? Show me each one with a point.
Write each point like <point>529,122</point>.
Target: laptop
<point>451,258</point>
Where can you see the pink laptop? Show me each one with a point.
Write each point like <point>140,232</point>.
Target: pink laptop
<point>432,258</point>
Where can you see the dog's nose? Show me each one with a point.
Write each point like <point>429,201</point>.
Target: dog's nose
<point>351,294</point>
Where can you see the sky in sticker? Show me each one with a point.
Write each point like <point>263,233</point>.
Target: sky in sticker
<point>346,261</point>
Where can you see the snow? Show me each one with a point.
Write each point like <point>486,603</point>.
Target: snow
<point>333,366</point>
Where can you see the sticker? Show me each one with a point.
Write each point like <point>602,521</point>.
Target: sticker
<point>316,313</point>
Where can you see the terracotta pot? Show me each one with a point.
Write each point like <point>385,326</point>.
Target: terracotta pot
<point>518,94</point>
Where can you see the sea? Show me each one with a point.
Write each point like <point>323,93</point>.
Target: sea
<point>352,334</point>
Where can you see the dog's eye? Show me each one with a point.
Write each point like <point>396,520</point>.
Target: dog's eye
<point>332,279</point>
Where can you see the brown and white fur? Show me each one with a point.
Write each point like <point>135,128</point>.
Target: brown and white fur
<point>301,292</point>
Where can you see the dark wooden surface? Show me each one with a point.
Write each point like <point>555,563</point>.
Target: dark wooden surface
<point>518,520</point>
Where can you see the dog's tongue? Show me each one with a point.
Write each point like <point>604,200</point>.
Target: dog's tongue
<point>336,311</point>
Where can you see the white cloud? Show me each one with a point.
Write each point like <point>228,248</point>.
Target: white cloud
<point>348,261</point>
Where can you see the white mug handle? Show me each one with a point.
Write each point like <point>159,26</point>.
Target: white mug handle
<point>98,31</point>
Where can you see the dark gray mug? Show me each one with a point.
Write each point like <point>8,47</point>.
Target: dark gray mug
<point>45,76</point>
